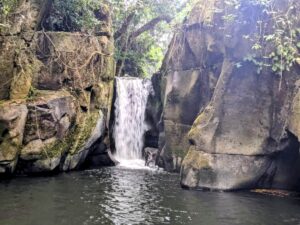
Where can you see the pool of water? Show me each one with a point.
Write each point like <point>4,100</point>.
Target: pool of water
<point>126,196</point>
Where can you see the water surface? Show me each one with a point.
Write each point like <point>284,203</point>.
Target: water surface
<point>125,196</point>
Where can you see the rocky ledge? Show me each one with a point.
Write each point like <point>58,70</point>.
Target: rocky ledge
<point>228,123</point>
<point>55,95</point>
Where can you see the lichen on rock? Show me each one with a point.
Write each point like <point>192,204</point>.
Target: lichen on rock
<point>54,84</point>
<point>240,114</point>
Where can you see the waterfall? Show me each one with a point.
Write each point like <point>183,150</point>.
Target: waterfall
<point>130,127</point>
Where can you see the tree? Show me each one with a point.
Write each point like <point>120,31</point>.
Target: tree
<point>143,29</point>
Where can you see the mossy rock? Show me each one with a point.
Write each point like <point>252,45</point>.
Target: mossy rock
<point>28,67</point>
<point>196,159</point>
<point>75,140</point>
<point>8,151</point>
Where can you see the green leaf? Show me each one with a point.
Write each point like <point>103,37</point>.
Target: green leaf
<point>256,46</point>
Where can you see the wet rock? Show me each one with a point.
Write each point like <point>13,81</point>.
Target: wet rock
<point>48,165</point>
<point>151,155</point>
<point>187,90</point>
<point>153,112</point>
<point>216,171</point>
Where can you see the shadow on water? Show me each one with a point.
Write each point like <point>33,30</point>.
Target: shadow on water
<point>124,196</point>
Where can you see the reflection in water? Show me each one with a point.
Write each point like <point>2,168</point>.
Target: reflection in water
<point>129,198</point>
<point>123,196</point>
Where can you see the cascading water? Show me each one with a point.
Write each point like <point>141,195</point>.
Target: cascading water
<point>130,126</point>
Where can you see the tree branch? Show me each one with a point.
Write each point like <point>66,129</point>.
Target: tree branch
<point>124,26</point>
<point>149,26</point>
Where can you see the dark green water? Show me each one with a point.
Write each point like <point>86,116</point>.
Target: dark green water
<point>122,196</point>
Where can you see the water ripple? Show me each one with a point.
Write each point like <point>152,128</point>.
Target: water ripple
<point>126,196</point>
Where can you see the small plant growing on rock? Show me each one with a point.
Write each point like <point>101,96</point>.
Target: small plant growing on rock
<point>276,42</point>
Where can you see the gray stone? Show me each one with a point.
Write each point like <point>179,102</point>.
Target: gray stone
<point>34,150</point>
<point>222,171</point>
<point>12,123</point>
<point>238,127</point>
<point>74,161</point>
<point>44,166</point>
<point>45,118</point>
<point>151,155</point>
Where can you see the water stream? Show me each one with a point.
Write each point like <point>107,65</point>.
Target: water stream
<point>124,196</point>
<point>130,127</point>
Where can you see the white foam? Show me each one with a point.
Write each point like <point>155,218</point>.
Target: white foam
<point>130,125</point>
<point>136,164</point>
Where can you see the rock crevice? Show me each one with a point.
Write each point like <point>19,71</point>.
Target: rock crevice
<point>235,124</point>
<point>56,92</point>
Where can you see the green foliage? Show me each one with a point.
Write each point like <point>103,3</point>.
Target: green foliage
<point>6,6</point>
<point>276,48</point>
<point>73,15</point>
<point>144,55</point>
<point>283,38</point>
<point>139,57</point>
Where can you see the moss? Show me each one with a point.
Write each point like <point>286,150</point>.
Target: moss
<point>55,149</point>
<point>20,86</point>
<point>8,150</point>
<point>28,67</point>
<point>45,95</point>
<point>32,93</point>
<point>203,118</point>
<point>196,159</point>
<point>179,152</point>
<point>2,102</point>
<point>108,70</point>
<point>75,140</point>
<point>83,131</point>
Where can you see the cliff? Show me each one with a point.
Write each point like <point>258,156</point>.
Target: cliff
<point>231,96</point>
<point>56,92</point>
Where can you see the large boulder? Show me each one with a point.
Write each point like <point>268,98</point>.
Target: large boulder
<point>53,84</point>
<point>235,117</point>
<point>187,88</point>
<point>50,115</point>
<point>75,159</point>
<point>12,125</point>
<point>54,150</point>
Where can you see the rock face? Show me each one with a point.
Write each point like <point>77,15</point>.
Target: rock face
<point>235,126</point>
<point>151,156</point>
<point>153,113</point>
<point>12,125</point>
<point>55,93</point>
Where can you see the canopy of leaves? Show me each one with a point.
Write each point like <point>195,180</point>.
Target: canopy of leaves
<point>143,27</point>
<point>73,15</point>
<point>142,54</point>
